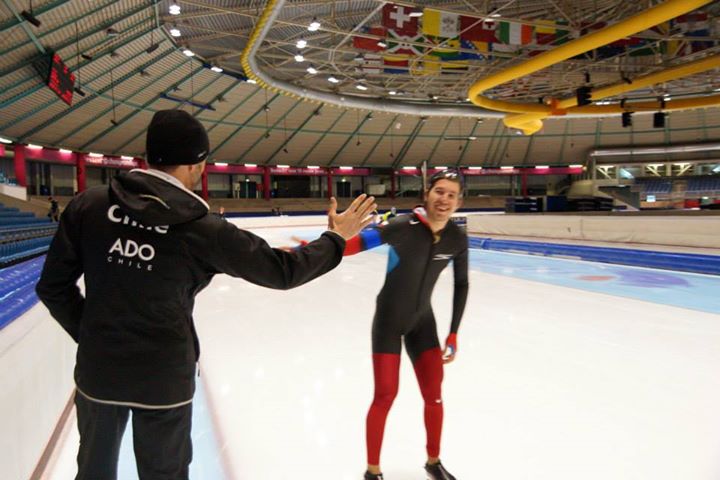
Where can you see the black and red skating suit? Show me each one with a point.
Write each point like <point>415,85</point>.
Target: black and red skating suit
<point>416,259</point>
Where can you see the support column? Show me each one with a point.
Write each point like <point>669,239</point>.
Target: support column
<point>329,183</point>
<point>266,183</point>
<point>392,184</point>
<point>80,173</point>
<point>205,194</point>
<point>524,185</point>
<point>20,170</point>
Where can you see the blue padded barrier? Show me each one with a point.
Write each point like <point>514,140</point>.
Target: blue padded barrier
<point>17,289</point>
<point>20,302</point>
<point>685,262</point>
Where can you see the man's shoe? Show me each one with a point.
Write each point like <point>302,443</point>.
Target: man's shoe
<point>436,471</point>
<point>373,476</point>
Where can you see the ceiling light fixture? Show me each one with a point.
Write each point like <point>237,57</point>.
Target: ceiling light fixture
<point>332,79</point>
<point>301,43</point>
<point>361,87</point>
<point>175,32</point>
<point>34,147</point>
<point>299,58</point>
<point>312,70</point>
<point>189,52</point>
<point>314,25</point>
<point>30,17</point>
<point>217,69</point>
<point>392,92</point>
<point>174,9</point>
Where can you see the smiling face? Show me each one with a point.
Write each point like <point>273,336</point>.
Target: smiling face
<point>443,199</point>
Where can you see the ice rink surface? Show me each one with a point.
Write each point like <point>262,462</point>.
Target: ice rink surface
<point>566,370</point>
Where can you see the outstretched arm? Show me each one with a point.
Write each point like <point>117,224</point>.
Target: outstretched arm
<point>243,254</point>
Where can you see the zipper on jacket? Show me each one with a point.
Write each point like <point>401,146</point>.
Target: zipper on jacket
<point>427,267</point>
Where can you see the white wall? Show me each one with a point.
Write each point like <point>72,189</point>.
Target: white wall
<point>666,230</point>
<point>36,374</point>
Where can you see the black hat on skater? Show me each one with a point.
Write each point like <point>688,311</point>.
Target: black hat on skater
<point>175,137</point>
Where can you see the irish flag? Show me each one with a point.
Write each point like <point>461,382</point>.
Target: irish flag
<point>515,33</point>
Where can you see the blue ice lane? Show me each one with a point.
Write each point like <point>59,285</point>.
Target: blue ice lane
<point>207,461</point>
<point>679,289</point>
<point>666,287</point>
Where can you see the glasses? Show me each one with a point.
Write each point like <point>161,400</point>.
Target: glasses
<point>453,175</point>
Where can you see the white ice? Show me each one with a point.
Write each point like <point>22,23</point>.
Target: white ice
<point>550,383</point>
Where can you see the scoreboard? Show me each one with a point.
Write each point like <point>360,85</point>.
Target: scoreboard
<point>60,79</point>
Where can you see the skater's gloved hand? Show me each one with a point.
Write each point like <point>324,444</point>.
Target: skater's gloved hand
<point>450,348</point>
<point>356,217</point>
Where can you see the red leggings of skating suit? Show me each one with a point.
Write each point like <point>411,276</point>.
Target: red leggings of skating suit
<point>386,368</point>
<point>429,371</point>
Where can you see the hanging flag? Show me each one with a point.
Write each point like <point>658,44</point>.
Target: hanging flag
<point>477,30</point>
<point>371,44</point>
<point>446,49</point>
<point>404,45</point>
<point>471,52</point>
<point>435,64</point>
<point>396,65</point>
<point>545,33</point>
<point>440,24</point>
<point>397,17</point>
<point>372,63</point>
<point>483,47</point>
<point>514,33</point>
<point>693,25</point>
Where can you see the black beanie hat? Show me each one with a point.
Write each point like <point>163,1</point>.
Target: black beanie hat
<point>175,137</point>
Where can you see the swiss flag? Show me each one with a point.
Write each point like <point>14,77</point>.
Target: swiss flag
<point>477,30</point>
<point>371,44</point>
<point>397,17</point>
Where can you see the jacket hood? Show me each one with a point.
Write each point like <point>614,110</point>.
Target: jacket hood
<point>153,200</point>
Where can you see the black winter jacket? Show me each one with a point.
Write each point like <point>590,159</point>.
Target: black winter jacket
<point>147,247</point>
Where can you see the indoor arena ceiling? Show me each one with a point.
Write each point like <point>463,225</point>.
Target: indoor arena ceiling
<point>132,57</point>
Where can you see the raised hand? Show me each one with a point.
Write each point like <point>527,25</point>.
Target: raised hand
<point>356,217</point>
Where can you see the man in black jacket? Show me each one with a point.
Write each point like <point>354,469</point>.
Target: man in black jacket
<point>147,246</point>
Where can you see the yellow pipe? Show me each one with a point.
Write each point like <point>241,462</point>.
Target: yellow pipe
<point>244,57</point>
<point>683,104</point>
<point>531,123</point>
<point>637,23</point>
<point>570,105</point>
<point>673,73</point>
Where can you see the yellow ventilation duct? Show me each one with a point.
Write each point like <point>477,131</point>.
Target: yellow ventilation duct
<point>531,121</point>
